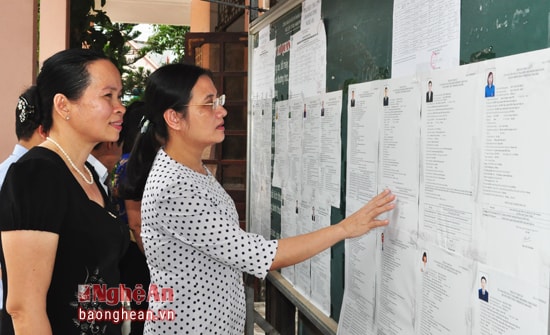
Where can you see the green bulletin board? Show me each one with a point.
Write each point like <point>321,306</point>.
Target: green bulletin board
<point>359,49</point>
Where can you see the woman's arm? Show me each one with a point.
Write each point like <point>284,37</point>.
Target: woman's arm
<point>133,211</point>
<point>29,257</point>
<point>293,250</point>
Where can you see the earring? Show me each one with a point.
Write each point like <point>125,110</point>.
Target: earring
<point>67,117</point>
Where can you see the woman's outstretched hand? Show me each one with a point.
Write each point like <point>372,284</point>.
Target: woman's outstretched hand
<point>365,219</point>
<point>292,250</point>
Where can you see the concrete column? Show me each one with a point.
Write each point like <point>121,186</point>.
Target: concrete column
<point>18,22</point>
<point>200,16</point>
<point>54,27</point>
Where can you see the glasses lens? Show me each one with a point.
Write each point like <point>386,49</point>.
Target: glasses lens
<point>220,101</point>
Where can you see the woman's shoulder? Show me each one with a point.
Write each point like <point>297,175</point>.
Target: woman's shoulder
<point>43,172</point>
<point>168,174</point>
<point>166,166</point>
<point>44,155</point>
<point>36,185</point>
<point>39,162</point>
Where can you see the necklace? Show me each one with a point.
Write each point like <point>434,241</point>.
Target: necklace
<point>89,182</point>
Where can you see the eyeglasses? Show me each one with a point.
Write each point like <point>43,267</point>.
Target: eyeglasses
<point>218,102</point>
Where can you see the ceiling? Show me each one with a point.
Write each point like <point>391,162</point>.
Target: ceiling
<point>171,12</point>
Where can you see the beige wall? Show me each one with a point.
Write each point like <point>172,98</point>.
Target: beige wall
<point>54,27</point>
<point>174,12</point>
<point>200,16</point>
<point>18,64</point>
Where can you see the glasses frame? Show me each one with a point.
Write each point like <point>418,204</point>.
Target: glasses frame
<point>218,102</point>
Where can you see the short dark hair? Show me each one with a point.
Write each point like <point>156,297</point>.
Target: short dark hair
<point>65,72</point>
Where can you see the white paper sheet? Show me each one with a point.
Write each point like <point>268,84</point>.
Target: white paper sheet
<point>359,301</point>
<point>509,306</point>
<point>263,70</point>
<point>289,218</point>
<point>280,160</point>
<point>515,178</point>
<point>320,264</point>
<point>400,148</point>
<point>308,63</point>
<point>311,141</point>
<point>395,295</point>
<point>358,305</point>
<point>331,146</point>
<point>261,174</point>
<point>426,36</point>
<point>362,144</point>
<point>306,217</point>
<point>450,136</point>
<point>483,204</point>
<point>442,305</point>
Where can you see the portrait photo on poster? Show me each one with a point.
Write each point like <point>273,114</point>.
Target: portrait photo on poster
<point>429,93</point>
<point>483,293</point>
<point>490,87</point>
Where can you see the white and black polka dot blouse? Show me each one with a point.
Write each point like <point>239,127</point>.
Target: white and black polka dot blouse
<point>194,244</point>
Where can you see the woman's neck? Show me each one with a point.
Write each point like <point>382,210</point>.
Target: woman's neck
<point>75,149</point>
<point>190,158</point>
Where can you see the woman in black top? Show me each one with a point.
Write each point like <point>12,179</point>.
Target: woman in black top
<point>61,243</point>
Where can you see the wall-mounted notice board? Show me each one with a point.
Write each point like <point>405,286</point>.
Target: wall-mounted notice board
<point>398,48</point>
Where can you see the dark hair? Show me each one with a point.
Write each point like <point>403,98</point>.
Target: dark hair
<point>169,87</point>
<point>28,115</point>
<point>490,74</point>
<point>66,72</point>
<point>483,278</point>
<point>130,126</point>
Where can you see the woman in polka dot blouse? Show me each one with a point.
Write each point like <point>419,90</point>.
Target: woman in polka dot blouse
<point>190,226</point>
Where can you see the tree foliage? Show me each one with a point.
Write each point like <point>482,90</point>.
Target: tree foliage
<point>170,38</point>
<point>134,82</point>
<point>92,28</point>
